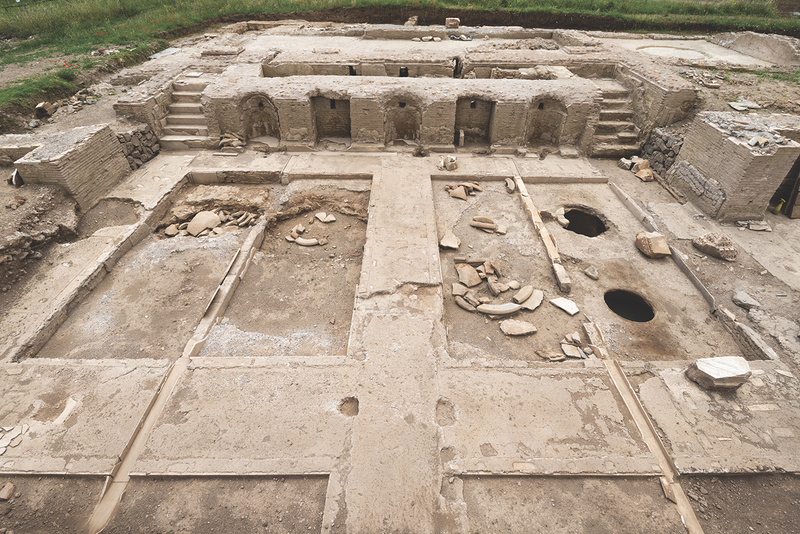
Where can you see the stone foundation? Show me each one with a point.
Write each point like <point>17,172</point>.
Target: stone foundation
<point>662,149</point>
<point>139,145</point>
<point>86,161</point>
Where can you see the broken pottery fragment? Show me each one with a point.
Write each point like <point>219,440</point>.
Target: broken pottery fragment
<point>306,242</point>
<point>512,327</point>
<point>205,220</point>
<point>459,290</point>
<point>470,297</point>
<point>321,216</point>
<point>565,304</point>
<point>513,284</point>
<point>652,244</point>
<point>511,185</point>
<point>467,275</point>
<point>462,303</point>
<point>571,351</point>
<point>450,240</point>
<point>523,295</point>
<point>743,300</point>
<point>551,355</point>
<point>447,162</point>
<point>499,309</point>
<point>329,218</point>
<point>459,192</point>
<point>717,245</point>
<point>725,372</point>
<point>171,230</point>
<point>534,301</point>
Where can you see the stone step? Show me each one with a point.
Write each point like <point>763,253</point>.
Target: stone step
<point>175,129</point>
<point>606,127</point>
<point>185,142</point>
<point>187,86</point>
<point>615,114</point>
<point>184,108</point>
<point>185,119</point>
<point>615,103</point>
<point>186,96</point>
<point>611,149</point>
<point>611,88</point>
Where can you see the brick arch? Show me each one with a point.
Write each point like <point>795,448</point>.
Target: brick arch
<point>259,117</point>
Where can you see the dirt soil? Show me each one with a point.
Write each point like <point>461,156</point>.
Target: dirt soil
<point>761,504</point>
<point>237,504</point>
<point>49,504</point>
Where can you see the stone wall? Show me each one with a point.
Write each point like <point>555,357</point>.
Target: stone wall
<point>741,156</point>
<point>87,161</point>
<point>662,149</point>
<point>139,145</point>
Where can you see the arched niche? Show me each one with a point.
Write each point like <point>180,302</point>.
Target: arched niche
<point>259,118</point>
<point>403,120</point>
<point>546,121</point>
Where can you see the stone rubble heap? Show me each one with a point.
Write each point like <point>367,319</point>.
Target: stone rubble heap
<point>211,222</point>
<point>760,132</point>
<point>704,78</point>
<point>662,149</point>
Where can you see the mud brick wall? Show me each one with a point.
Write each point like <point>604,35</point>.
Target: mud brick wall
<point>139,145</point>
<point>332,117</point>
<point>747,178</point>
<point>662,149</point>
<point>706,191</point>
<point>87,161</point>
<point>367,121</point>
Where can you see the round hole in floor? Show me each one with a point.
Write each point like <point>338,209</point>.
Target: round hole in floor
<point>584,222</point>
<point>629,305</point>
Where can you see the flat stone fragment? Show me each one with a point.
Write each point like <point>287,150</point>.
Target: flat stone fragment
<point>645,175</point>
<point>639,164</point>
<point>571,351</point>
<point>534,301</point>
<point>459,290</point>
<point>450,240</point>
<point>624,163</point>
<point>329,218</point>
<point>321,216</point>
<point>717,245</point>
<point>652,244</point>
<point>463,304</point>
<point>565,304</point>
<point>459,192</point>
<point>512,327</point>
<point>562,278</point>
<point>171,230</point>
<point>725,372</point>
<point>513,284</point>
<point>205,220</point>
<point>7,492</point>
<point>743,300</point>
<point>551,355</point>
<point>592,273</point>
<point>467,275</point>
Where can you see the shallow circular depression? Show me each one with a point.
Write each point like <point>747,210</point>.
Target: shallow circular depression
<point>673,52</point>
<point>584,223</point>
<point>629,305</point>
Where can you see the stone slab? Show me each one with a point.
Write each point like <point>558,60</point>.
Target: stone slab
<point>152,182</point>
<point>303,166</point>
<point>540,422</point>
<point>238,416</point>
<point>554,169</point>
<point>80,414</point>
<point>754,428</point>
<point>695,50</point>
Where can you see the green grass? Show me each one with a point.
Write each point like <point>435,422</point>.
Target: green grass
<point>39,87</point>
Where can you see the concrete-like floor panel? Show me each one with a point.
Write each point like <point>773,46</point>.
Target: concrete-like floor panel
<point>239,416</point>
<point>542,421</point>
<point>149,304</point>
<point>76,416</point>
<point>272,505</point>
<point>585,505</point>
<point>753,428</point>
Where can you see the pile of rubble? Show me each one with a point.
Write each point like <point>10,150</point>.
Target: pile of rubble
<point>758,131</point>
<point>463,189</point>
<point>11,436</point>
<point>211,222</point>
<point>231,142</point>
<point>473,272</point>
<point>299,230</point>
<point>706,79</point>
<point>638,166</point>
<point>85,97</point>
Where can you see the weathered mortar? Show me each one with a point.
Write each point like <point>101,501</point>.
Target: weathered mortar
<point>86,161</point>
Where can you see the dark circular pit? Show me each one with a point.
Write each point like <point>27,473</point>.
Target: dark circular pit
<point>584,223</point>
<point>629,305</point>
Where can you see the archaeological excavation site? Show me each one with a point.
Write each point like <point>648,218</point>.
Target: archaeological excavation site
<point>291,276</point>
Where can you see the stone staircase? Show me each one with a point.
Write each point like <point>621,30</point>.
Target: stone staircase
<point>615,134</point>
<point>185,126</point>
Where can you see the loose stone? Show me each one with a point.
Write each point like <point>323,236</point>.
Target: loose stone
<point>652,244</point>
<point>511,327</point>
<point>592,273</point>
<point>743,300</point>
<point>565,304</point>
<point>725,372</point>
<point>467,275</point>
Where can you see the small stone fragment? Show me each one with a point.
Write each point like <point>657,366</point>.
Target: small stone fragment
<point>450,240</point>
<point>512,327</point>
<point>551,355</point>
<point>298,229</point>
<point>592,273</point>
<point>625,164</point>
<point>639,164</point>
<point>717,245</point>
<point>513,284</point>
<point>7,492</point>
<point>323,241</point>
<point>494,287</point>
<point>645,175</point>
<point>205,220</point>
<point>562,278</point>
<point>652,244</point>
<point>171,230</point>
<point>481,219</point>
<point>329,218</point>
<point>467,275</point>
<point>743,300</point>
<point>321,216</point>
<point>565,304</point>
<point>725,372</point>
<point>459,192</point>
<point>501,229</point>
<point>452,22</point>
<point>571,351</point>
